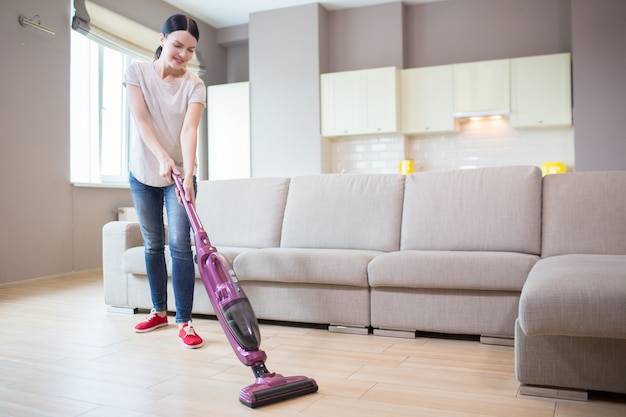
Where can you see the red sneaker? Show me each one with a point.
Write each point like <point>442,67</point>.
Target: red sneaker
<point>188,336</point>
<point>151,322</point>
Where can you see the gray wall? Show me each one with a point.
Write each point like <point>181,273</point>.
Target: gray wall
<point>284,91</point>
<point>462,31</point>
<point>36,233</point>
<point>599,68</point>
<point>235,39</point>
<point>366,37</point>
<point>48,227</point>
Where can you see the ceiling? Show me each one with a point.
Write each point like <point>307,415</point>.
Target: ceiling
<point>224,13</point>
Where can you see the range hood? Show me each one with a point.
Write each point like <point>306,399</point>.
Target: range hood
<point>482,89</point>
<point>481,114</point>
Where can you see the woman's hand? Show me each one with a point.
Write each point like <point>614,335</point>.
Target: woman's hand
<point>166,167</point>
<point>190,194</point>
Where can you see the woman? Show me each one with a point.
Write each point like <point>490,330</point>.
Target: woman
<point>166,102</point>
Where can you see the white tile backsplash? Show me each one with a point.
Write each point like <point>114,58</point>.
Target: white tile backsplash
<point>366,154</point>
<point>475,144</point>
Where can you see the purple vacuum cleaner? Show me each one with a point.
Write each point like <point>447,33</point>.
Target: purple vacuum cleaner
<point>235,314</point>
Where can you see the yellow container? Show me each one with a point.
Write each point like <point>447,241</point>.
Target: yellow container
<point>553,168</point>
<point>406,166</point>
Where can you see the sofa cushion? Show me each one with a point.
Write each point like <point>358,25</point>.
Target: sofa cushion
<point>243,212</point>
<point>305,266</point>
<point>339,211</point>
<point>497,271</point>
<point>133,261</point>
<point>486,209</point>
<point>575,295</point>
<point>577,217</point>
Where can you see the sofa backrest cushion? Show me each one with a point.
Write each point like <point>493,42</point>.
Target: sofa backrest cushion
<point>584,213</point>
<point>344,211</point>
<point>484,209</point>
<point>243,212</point>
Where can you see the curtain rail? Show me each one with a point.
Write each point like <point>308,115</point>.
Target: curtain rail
<point>24,21</point>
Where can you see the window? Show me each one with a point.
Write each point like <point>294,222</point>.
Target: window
<point>99,116</point>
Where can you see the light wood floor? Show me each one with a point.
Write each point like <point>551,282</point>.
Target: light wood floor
<point>62,354</point>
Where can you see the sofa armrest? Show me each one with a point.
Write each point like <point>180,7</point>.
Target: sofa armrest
<point>117,237</point>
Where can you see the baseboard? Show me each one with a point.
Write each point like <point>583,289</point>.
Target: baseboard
<point>72,274</point>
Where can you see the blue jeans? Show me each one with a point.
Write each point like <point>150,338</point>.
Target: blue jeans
<point>149,207</point>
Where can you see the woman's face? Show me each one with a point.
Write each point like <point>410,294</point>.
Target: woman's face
<point>178,48</point>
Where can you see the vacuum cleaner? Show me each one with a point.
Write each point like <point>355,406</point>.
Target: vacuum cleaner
<point>238,320</point>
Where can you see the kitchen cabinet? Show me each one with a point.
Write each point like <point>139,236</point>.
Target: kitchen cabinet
<point>427,100</point>
<point>541,91</point>
<point>360,102</point>
<point>228,123</point>
<point>481,88</point>
<point>341,97</point>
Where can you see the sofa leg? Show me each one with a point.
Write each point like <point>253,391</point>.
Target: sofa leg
<point>334,328</point>
<point>557,393</point>
<point>402,334</point>
<point>497,340</point>
<point>121,310</point>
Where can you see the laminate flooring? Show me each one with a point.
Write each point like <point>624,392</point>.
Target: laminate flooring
<point>63,354</point>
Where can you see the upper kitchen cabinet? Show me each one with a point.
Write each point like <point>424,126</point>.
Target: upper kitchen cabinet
<point>341,101</point>
<point>541,91</point>
<point>360,102</point>
<point>427,100</point>
<point>481,88</point>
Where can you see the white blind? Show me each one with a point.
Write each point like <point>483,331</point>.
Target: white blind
<point>118,32</point>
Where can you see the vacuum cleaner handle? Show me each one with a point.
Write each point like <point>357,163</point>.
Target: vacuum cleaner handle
<point>192,214</point>
<point>229,300</point>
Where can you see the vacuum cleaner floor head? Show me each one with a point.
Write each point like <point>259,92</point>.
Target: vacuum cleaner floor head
<point>269,389</point>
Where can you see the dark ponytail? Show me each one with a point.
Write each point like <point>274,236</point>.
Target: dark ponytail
<point>178,22</point>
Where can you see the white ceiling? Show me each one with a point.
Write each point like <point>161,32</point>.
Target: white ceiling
<point>224,13</point>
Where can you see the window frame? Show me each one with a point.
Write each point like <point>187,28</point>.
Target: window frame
<point>89,139</point>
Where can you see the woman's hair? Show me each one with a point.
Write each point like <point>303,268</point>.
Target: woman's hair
<point>178,22</point>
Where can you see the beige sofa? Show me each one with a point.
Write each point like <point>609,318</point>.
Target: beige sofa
<point>447,252</point>
<point>571,333</point>
<point>440,252</point>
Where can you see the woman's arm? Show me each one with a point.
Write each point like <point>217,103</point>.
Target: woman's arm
<point>189,142</point>
<point>139,112</point>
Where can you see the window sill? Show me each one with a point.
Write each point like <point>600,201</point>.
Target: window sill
<point>99,185</point>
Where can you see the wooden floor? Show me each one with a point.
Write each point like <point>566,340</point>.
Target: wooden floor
<point>63,354</point>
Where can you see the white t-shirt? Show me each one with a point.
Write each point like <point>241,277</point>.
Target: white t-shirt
<point>167,104</point>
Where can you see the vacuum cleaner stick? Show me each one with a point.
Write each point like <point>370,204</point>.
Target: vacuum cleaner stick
<point>237,318</point>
